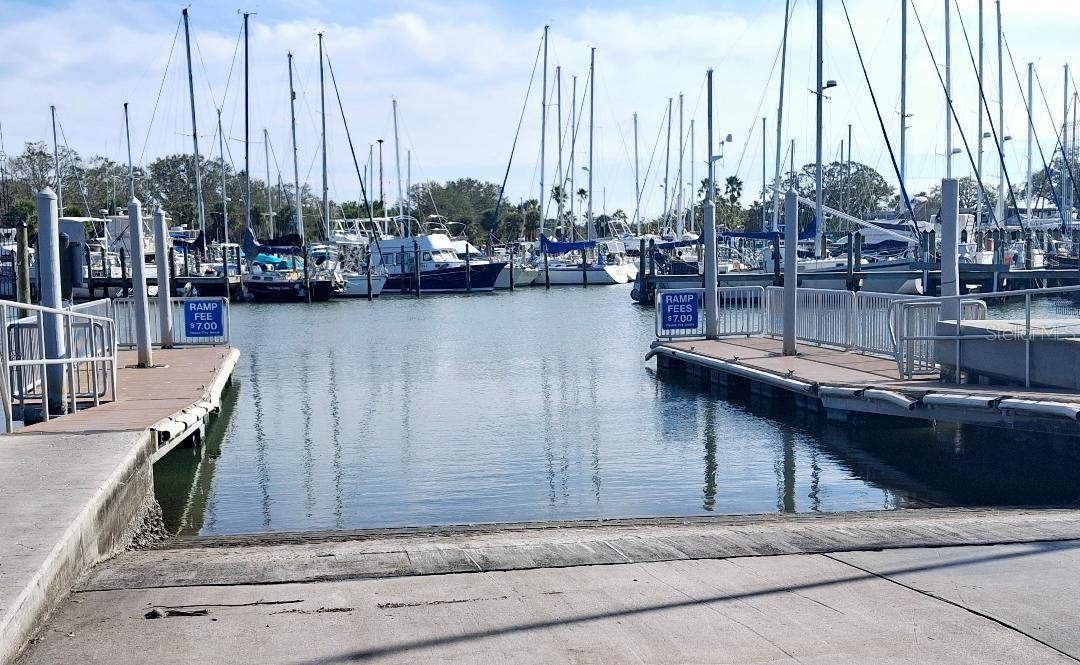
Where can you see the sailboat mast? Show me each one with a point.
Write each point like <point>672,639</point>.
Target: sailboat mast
<point>667,165</point>
<point>818,198</point>
<point>764,171</point>
<point>297,193</point>
<point>948,94</point>
<point>224,189</point>
<point>543,131</point>
<point>592,102</point>
<point>408,181</point>
<point>779,125</point>
<point>397,160</point>
<point>1001,119</point>
<point>1064,150</point>
<point>637,179</point>
<point>1030,135</point>
<point>322,113</point>
<point>680,224</point>
<point>247,127</point>
<point>903,89</point>
<point>559,169</point>
<point>56,163</point>
<point>573,149</point>
<point>979,167</point>
<point>269,189</point>
<point>199,208</point>
<point>692,186</point>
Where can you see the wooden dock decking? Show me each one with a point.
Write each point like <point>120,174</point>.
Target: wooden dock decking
<point>845,382</point>
<point>171,399</point>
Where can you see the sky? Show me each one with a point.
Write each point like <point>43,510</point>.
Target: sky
<point>460,72</point>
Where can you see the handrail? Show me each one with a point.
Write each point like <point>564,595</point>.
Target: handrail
<point>87,362</point>
<point>899,313</point>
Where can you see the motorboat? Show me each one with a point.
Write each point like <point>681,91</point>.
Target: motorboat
<point>433,260</point>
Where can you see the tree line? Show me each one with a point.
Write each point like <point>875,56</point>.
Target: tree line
<point>97,186</point>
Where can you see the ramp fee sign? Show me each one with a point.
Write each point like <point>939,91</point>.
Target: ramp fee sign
<point>204,318</point>
<point>679,310</point>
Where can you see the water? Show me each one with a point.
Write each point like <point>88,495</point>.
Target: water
<point>536,405</point>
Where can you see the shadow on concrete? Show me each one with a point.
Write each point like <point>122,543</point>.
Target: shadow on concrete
<point>393,649</point>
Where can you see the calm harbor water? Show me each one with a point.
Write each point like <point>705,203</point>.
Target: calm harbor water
<point>536,405</point>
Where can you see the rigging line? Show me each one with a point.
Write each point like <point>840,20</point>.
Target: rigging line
<point>685,142</point>
<point>1057,136</point>
<point>202,63</point>
<point>1029,103</point>
<point>941,82</point>
<point>652,158</point>
<point>71,167</point>
<point>348,135</point>
<point>513,147</point>
<point>577,125</point>
<point>881,121</point>
<point>164,77</point>
<point>410,145</point>
<point>997,141</point>
<point>761,102</point>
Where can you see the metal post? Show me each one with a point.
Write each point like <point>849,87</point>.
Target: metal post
<point>52,326</point>
<point>197,167</point>
<point>512,277</point>
<point>791,278</point>
<point>858,259</point>
<point>162,255</point>
<point>950,261</point>
<point>708,212</point>
<point>547,273</point>
<point>138,279</point>
<point>416,263</point>
<point>468,268</point>
<point>23,258</point>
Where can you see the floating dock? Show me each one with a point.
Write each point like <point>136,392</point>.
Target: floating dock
<point>77,489</point>
<point>846,385</point>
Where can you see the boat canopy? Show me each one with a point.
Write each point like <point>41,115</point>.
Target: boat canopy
<point>555,247</point>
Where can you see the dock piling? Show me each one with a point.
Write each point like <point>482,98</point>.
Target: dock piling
<point>163,259</point>
<point>416,267</point>
<point>52,328</point>
<point>712,328</point>
<point>138,280</point>
<point>791,279</point>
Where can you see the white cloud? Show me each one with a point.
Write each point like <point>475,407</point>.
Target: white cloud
<point>460,75</point>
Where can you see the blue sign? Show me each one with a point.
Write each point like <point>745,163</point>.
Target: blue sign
<point>679,310</point>
<point>204,318</point>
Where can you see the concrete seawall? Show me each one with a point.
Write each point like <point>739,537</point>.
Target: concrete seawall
<point>72,499</point>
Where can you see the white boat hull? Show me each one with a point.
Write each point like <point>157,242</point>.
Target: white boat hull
<point>522,277</point>
<point>356,286</point>
<point>571,275</point>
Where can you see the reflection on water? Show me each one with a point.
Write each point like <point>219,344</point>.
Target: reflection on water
<point>536,405</point>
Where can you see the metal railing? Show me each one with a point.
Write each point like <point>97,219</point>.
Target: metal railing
<point>86,369</point>
<point>671,324</point>
<point>822,316</point>
<point>916,329</point>
<point>896,326</point>
<point>124,314</point>
<point>741,311</point>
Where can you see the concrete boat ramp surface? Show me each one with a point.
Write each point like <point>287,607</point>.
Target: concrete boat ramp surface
<point>75,490</point>
<point>918,586</point>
